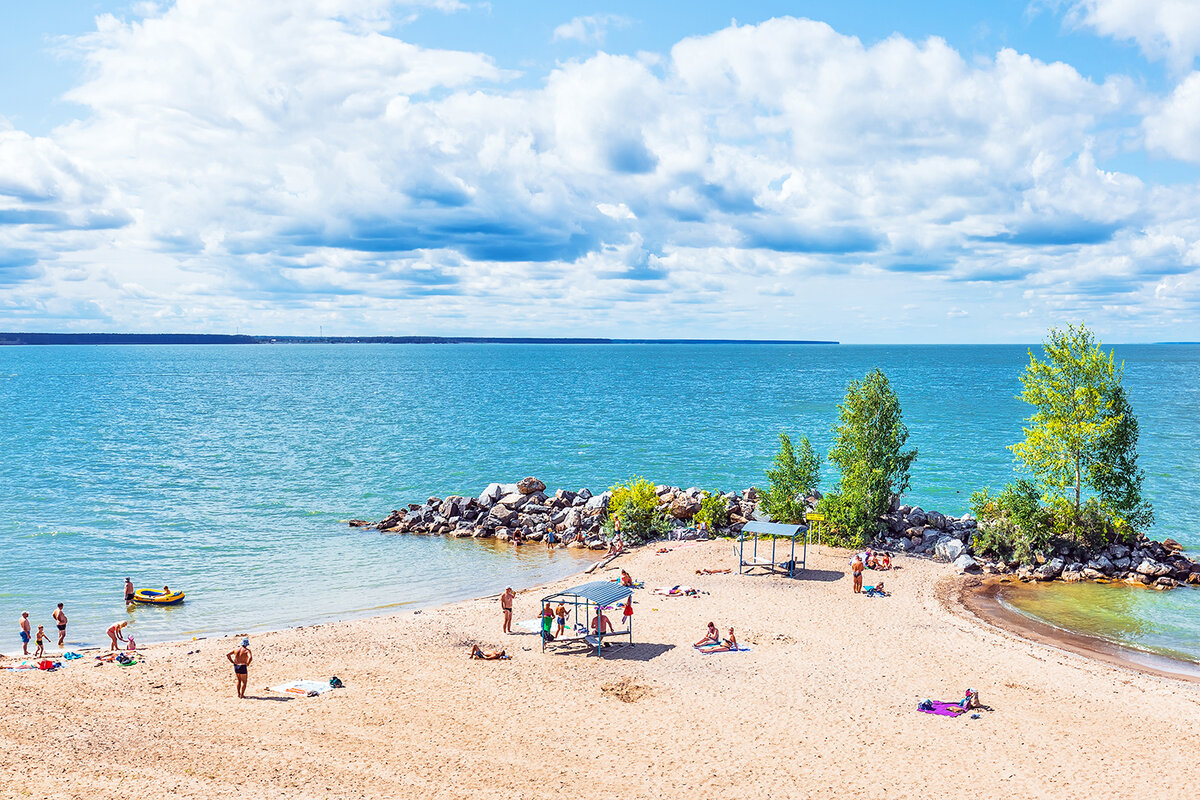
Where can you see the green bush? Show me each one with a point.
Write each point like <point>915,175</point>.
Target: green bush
<point>1017,524</point>
<point>635,504</point>
<point>792,477</point>
<point>848,523</point>
<point>714,511</point>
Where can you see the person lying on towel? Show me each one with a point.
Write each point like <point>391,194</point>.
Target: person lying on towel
<point>875,591</point>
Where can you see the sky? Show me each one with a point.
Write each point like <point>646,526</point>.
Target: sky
<point>878,172</point>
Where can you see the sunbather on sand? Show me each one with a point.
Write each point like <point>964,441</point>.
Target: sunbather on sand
<point>724,646</point>
<point>487,655</point>
<point>626,578</point>
<point>971,700</point>
<point>875,591</point>
<point>711,637</point>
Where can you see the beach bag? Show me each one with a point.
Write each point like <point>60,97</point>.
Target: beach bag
<point>45,665</point>
<point>335,682</point>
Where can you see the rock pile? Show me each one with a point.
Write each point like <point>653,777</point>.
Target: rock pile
<point>575,517</point>
<point>1149,563</point>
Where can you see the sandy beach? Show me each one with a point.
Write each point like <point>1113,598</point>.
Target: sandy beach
<point>823,704</point>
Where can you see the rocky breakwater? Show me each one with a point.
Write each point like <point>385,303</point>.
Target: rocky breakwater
<point>573,517</point>
<point>1161,565</point>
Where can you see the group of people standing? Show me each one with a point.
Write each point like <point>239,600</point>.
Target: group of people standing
<point>25,629</point>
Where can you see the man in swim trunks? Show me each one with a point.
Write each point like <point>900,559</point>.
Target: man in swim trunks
<point>128,592</point>
<point>856,567</point>
<point>24,626</point>
<point>241,657</point>
<point>60,618</point>
<point>506,605</point>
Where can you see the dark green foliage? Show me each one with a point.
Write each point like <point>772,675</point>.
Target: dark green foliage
<point>1114,472</point>
<point>869,451</point>
<point>1013,524</point>
<point>635,504</point>
<point>791,480</point>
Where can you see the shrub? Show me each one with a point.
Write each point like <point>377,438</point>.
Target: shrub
<point>714,511</point>
<point>790,481</point>
<point>847,521</point>
<point>635,504</point>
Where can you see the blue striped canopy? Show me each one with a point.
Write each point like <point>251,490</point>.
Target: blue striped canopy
<point>603,593</point>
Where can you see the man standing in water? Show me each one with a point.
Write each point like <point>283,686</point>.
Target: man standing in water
<point>60,618</point>
<point>128,592</point>
<point>24,625</point>
<point>241,657</point>
<point>506,605</point>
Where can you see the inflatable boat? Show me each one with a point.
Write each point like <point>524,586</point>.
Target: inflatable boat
<point>157,598</point>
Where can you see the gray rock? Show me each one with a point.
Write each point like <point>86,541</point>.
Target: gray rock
<point>534,508</point>
<point>936,520</point>
<point>1152,568</point>
<point>964,563</point>
<point>1072,575</point>
<point>916,517</point>
<point>586,494</point>
<point>684,507</point>
<point>950,549</point>
<point>490,495</point>
<point>1050,570</point>
<point>599,502</point>
<point>1092,574</point>
<point>1122,562</point>
<point>514,499</point>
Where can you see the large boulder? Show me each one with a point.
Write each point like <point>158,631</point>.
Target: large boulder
<point>964,563</point>
<point>1172,546</point>
<point>1153,569</point>
<point>684,506</point>
<point>949,549</point>
<point>599,502</point>
<point>1050,570</point>
<point>530,485</point>
<point>502,515</point>
<point>514,500</point>
<point>489,496</point>
<point>1092,574</point>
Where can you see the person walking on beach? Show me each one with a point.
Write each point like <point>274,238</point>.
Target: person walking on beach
<point>128,592</point>
<point>241,657</point>
<point>24,626</point>
<point>506,605</point>
<point>60,619</point>
<point>856,567</point>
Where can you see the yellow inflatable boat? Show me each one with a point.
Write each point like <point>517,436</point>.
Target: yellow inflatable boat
<point>157,597</point>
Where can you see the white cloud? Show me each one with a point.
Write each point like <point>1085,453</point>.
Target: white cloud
<point>1174,127</point>
<point>1163,29</point>
<point>282,166</point>
<point>590,29</point>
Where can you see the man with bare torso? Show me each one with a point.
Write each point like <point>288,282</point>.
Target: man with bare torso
<point>24,626</point>
<point>241,657</point>
<point>506,605</point>
<point>60,619</point>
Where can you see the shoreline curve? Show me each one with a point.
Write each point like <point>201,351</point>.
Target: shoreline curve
<point>979,599</point>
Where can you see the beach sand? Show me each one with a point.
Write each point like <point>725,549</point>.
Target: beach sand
<point>823,705</point>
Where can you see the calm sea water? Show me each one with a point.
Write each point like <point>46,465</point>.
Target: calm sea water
<point>226,471</point>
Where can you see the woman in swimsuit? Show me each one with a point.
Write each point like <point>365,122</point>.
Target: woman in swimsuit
<point>487,655</point>
<point>725,646</point>
<point>115,634</point>
<point>711,637</point>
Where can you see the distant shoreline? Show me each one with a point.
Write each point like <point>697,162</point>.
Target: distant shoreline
<point>17,339</point>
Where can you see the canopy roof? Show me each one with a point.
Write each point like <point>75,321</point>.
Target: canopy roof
<point>772,528</point>
<point>604,593</point>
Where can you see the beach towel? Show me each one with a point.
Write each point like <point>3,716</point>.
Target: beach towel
<point>303,688</point>
<point>534,625</point>
<point>708,652</point>
<point>941,708</point>
<point>69,656</point>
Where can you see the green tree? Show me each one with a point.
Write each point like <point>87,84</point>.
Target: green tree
<point>635,504</point>
<point>1071,391</point>
<point>1114,472</point>
<point>792,478</point>
<point>869,451</point>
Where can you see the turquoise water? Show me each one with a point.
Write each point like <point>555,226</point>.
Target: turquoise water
<point>226,471</point>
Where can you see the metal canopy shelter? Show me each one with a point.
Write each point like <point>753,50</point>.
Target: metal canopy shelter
<point>597,594</point>
<point>753,531</point>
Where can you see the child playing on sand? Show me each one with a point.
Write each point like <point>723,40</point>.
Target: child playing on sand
<point>41,641</point>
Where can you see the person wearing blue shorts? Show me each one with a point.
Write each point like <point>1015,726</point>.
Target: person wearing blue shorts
<point>24,625</point>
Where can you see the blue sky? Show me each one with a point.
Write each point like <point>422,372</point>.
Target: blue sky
<point>901,171</point>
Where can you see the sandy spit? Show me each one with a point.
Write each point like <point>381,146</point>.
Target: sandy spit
<point>823,705</point>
